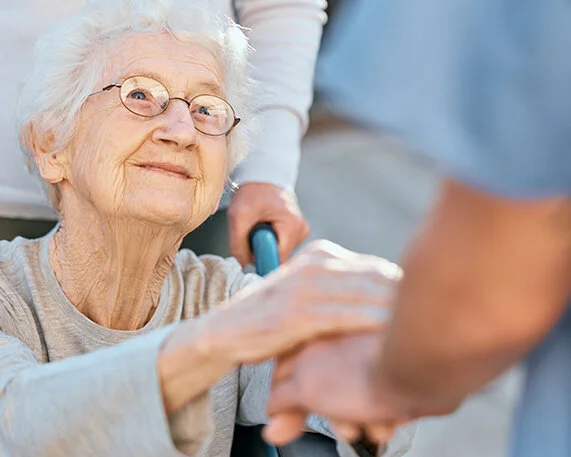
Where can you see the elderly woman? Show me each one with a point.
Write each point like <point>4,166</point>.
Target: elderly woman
<point>110,344</point>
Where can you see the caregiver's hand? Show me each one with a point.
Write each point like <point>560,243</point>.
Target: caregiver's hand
<point>332,377</point>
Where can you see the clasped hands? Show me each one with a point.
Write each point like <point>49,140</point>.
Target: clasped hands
<point>334,376</point>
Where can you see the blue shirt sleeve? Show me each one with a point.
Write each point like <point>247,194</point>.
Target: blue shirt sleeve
<point>483,87</point>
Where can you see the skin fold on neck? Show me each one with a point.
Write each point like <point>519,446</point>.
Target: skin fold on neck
<point>112,270</point>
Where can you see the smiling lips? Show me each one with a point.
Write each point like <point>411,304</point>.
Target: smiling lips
<point>176,171</point>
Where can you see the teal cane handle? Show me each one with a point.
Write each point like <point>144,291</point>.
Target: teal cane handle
<point>264,244</point>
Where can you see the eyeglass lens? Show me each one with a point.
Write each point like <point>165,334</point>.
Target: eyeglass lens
<point>147,97</point>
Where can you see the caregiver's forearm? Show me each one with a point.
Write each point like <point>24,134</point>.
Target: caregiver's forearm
<point>108,402</point>
<point>484,281</point>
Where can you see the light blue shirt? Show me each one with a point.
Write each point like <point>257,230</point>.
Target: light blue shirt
<point>483,87</point>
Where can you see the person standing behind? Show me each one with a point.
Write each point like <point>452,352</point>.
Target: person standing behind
<point>285,36</point>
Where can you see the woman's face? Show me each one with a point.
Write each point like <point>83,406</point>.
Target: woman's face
<point>158,169</point>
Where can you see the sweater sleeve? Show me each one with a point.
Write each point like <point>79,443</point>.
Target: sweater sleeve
<point>107,402</point>
<point>285,35</point>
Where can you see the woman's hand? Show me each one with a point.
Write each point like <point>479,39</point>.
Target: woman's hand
<point>325,290</point>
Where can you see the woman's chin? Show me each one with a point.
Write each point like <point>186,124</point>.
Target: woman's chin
<point>164,213</point>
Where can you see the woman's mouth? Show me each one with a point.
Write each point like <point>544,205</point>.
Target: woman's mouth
<point>168,169</point>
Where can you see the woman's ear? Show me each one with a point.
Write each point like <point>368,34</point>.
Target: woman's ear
<point>47,158</point>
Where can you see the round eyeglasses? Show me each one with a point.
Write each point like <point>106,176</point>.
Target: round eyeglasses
<point>147,97</point>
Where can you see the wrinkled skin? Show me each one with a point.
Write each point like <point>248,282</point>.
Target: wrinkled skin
<point>322,292</point>
<point>111,204</point>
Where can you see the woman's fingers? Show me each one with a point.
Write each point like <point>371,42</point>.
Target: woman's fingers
<point>292,335</point>
<point>343,316</point>
<point>347,281</point>
<point>326,291</point>
<point>332,322</point>
<point>252,343</point>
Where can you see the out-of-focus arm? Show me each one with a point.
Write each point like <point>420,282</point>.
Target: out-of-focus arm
<point>285,35</point>
<point>485,280</point>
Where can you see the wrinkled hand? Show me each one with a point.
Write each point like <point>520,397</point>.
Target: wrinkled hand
<point>332,377</point>
<point>324,290</point>
<point>262,202</point>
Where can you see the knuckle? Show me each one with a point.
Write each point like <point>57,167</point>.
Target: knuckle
<point>391,271</point>
<point>320,248</point>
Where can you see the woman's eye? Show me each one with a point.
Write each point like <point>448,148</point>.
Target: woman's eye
<point>204,110</point>
<point>137,95</point>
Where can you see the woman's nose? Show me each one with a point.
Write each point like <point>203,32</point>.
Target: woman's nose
<point>178,128</point>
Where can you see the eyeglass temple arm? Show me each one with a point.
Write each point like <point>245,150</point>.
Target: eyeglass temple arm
<point>106,88</point>
<point>236,122</point>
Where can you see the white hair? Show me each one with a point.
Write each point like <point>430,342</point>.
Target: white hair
<point>70,60</point>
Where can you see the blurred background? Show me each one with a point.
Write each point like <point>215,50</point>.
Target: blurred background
<point>367,192</point>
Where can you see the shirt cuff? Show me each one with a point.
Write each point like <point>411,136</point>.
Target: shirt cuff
<point>275,156</point>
